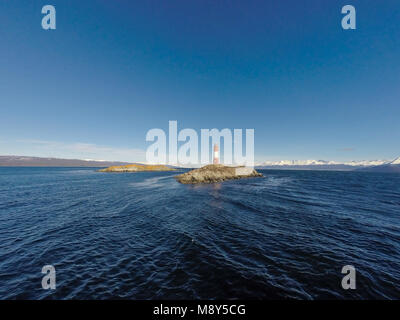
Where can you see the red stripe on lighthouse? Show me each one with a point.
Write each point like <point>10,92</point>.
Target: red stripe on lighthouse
<point>216,154</point>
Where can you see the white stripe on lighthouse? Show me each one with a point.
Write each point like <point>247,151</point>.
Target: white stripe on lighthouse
<point>216,154</point>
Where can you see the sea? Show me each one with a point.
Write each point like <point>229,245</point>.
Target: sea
<point>286,235</point>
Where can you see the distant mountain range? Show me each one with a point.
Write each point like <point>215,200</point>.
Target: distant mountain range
<point>370,166</point>
<point>393,166</point>
<point>22,161</point>
<point>374,165</point>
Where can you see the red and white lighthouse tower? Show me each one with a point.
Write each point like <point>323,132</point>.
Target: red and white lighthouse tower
<point>216,154</point>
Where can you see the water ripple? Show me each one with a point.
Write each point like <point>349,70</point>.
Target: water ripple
<point>145,236</point>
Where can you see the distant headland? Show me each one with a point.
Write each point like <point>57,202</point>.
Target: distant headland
<point>26,161</point>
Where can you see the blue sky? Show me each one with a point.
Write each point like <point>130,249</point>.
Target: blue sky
<point>112,70</point>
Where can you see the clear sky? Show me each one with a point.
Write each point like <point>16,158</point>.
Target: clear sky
<point>112,70</point>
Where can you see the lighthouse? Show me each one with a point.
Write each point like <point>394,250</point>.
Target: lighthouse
<point>216,154</point>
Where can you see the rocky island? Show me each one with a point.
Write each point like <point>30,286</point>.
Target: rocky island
<point>137,168</point>
<point>216,173</point>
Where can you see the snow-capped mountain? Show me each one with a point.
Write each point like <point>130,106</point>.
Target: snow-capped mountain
<point>391,166</point>
<point>363,163</point>
<point>395,161</point>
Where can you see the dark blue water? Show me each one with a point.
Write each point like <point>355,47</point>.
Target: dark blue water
<point>144,236</point>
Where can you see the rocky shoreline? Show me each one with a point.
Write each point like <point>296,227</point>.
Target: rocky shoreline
<point>216,173</point>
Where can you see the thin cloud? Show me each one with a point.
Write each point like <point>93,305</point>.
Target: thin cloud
<point>346,149</point>
<point>78,150</point>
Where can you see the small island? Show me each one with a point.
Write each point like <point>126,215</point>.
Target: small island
<point>216,173</point>
<point>137,168</point>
